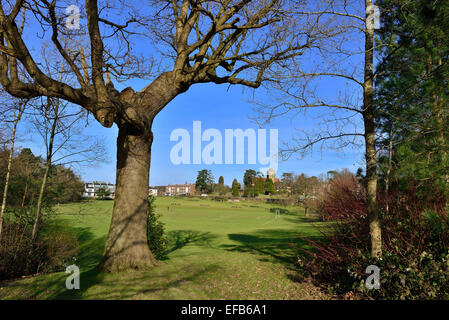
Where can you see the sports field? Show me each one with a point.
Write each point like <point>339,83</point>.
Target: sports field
<point>218,250</point>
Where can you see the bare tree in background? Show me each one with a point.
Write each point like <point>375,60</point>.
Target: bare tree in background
<point>236,42</point>
<point>59,125</point>
<point>352,110</point>
<point>18,108</point>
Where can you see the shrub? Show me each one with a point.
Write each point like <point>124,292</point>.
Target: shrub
<point>54,248</point>
<point>157,239</point>
<point>415,261</point>
<point>342,198</point>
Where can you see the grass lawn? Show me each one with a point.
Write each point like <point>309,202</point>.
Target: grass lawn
<point>218,250</point>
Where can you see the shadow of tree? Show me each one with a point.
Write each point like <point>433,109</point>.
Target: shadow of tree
<point>88,279</point>
<point>278,245</point>
<point>155,283</point>
<point>302,219</point>
<point>178,239</point>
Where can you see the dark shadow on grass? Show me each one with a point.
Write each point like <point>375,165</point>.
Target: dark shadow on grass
<point>88,279</point>
<point>301,219</point>
<point>278,245</point>
<point>90,248</point>
<point>144,281</point>
<point>178,239</point>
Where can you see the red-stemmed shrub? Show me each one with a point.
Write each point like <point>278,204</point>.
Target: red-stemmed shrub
<point>415,261</point>
<point>342,197</point>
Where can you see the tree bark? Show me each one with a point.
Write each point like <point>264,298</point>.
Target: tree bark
<point>370,140</point>
<point>40,198</point>
<point>127,243</point>
<point>389,167</point>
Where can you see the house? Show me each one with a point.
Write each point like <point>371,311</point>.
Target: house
<point>187,189</point>
<point>153,191</point>
<point>91,189</point>
<point>161,190</point>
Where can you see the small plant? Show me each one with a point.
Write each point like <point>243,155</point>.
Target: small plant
<point>157,239</point>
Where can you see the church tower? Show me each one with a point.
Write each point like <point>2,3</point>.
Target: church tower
<point>271,174</point>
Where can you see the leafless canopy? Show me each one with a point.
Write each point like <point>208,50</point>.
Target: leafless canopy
<point>219,41</point>
<point>332,85</point>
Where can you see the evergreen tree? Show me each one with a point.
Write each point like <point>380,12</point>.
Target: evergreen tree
<point>412,92</point>
<point>249,179</point>
<point>204,181</point>
<point>259,185</point>
<point>269,187</point>
<point>235,188</point>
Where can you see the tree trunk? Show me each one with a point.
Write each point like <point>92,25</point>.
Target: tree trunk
<point>40,199</point>
<point>47,170</point>
<point>370,140</point>
<point>8,170</point>
<point>127,244</point>
<point>390,164</point>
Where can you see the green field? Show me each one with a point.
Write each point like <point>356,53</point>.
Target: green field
<point>218,250</point>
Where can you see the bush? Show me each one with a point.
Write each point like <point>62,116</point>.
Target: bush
<point>415,261</point>
<point>54,248</point>
<point>157,239</point>
<point>342,198</point>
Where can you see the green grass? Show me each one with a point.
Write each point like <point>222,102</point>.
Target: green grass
<point>218,250</point>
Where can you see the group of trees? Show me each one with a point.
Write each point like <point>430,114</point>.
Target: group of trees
<point>25,180</point>
<point>410,112</point>
<point>298,186</point>
<point>255,183</point>
<point>205,184</point>
<point>29,245</point>
<point>56,127</point>
<point>397,110</point>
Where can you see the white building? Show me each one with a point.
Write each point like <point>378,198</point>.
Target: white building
<point>180,189</point>
<point>91,189</point>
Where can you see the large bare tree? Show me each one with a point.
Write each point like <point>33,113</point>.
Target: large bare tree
<point>232,42</point>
